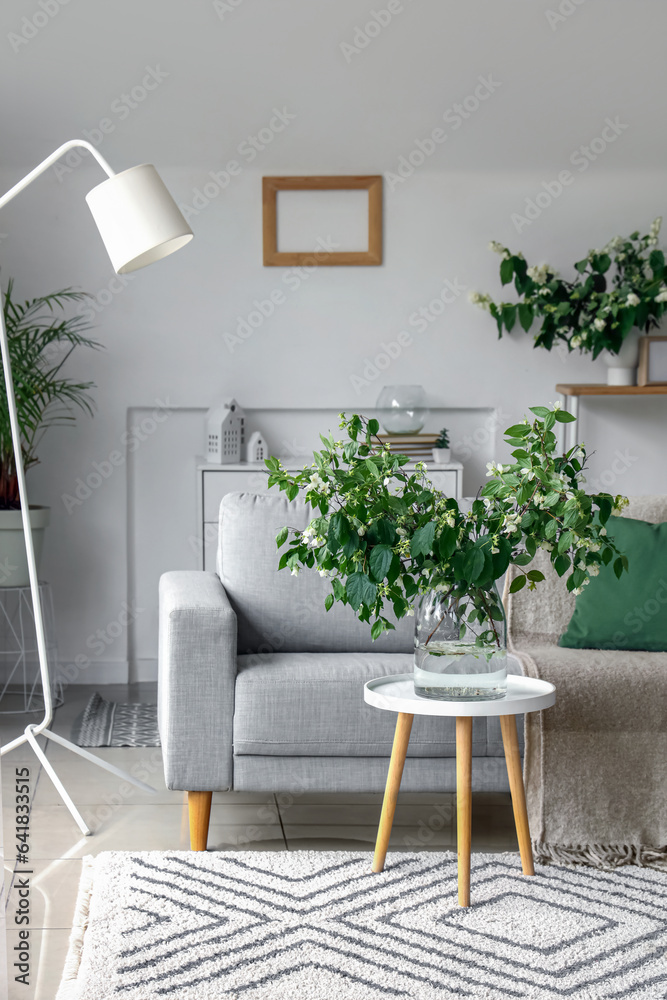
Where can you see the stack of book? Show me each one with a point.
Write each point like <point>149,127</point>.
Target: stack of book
<point>418,447</point>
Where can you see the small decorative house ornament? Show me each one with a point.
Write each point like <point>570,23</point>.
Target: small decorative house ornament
<point>256,450</point>
<point>225,433</point>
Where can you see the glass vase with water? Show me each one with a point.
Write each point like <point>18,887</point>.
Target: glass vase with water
<point>460,647</point>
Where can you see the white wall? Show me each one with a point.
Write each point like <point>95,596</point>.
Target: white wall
<point>227,67</point>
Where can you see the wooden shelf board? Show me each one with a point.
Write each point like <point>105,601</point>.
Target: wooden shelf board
<point>601,389</point>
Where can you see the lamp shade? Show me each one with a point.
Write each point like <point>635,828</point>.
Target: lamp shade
<point>138,220</point>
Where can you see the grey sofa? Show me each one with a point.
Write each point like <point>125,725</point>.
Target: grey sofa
<point>261,689</point>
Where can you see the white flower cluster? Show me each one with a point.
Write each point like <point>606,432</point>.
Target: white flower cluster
<point>492,469</point>
<point>311,538</point>
<point>479,299</point>
<point>653,232</point>
<point>540,273</point>
<point>599,324</point>
<point>320,484</point>
<point>499,248</point>
<point>662,294</point>
<point>633,299</point>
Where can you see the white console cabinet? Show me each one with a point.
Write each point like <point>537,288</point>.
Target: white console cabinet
<point>214,481</point>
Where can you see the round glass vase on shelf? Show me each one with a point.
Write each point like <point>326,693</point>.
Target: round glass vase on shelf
<point>457,659</point>
<point>402,408</point>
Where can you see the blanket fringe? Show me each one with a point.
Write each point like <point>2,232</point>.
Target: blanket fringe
<point>69,984</point>
<point>603,856</point>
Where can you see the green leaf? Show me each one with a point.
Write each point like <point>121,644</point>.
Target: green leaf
<point>581,265</point>
<point>564,417</point>
<point>531,546</point>
<point>328,602</point>
<point>292,491</point>
<point>447,542</point>
<point>518,583</point>
<point>281,537</point>
<point>540,411</point>
<point>618,567</point>
<point>656,260</point>
<point>373,426</point>
<point>422,540</point>
<point>561,564</point>
<point>506,270</point>
<point>372,468</point>
<point>525,315</point>
<point>517,430</point>
<point>535,575</point>
<point>551,530</point>
<point>602,263</point>
<point>380,562</point>
<point>565,541</point>
<point>607,555</point>
<point>473,564</point>
<point>549,421</point>
<point>377,629</point>
<point>522,559</point>
<point>339,531</point>
<point>508,314</point>
<point>360,590</point>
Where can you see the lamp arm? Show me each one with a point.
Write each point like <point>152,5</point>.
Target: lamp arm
<point>49,161</point>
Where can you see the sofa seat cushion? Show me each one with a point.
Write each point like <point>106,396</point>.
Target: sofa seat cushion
<point>312,704</point>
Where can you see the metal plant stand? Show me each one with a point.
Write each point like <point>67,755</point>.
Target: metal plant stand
<point>20,677</point>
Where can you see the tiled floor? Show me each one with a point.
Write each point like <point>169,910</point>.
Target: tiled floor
<point>127,819</point>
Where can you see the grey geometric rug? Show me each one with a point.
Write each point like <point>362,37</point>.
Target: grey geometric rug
<point>319,926</point>
<point>113,724</point>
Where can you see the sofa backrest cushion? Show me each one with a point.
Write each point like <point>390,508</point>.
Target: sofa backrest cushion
<point>278,612</point>
<point>542,615</point>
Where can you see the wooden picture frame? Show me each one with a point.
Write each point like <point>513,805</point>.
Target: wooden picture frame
<point>274,258</point>
<point>644,374</point>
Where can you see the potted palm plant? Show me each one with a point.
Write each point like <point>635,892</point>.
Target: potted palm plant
<point>41,339</point>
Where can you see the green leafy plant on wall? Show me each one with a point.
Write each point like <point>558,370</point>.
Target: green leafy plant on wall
<point>41,340</point>
<point>617,288</point>
<point>384,536</point>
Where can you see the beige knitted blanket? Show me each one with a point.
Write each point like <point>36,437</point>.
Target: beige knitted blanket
<point>596,763</point>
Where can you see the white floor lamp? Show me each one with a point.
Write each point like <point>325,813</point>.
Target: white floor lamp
<point>139,223</point>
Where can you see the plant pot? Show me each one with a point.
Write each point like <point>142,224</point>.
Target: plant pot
<point>442,455</point>
<point>622,367</point>
<point>13,557</point>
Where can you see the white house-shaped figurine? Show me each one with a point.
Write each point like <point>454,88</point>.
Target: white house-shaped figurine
<point>256,450</point>
<point>225,433</point>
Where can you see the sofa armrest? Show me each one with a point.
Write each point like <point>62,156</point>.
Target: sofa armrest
<point>196,680</point>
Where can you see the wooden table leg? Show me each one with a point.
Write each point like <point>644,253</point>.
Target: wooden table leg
<point>464,804</point>
<point>399,750</point>
<point>513,761</point>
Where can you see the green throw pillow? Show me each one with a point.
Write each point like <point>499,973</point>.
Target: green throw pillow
<point>630,613</point>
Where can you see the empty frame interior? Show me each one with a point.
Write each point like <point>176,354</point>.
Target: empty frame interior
<point>315,224</point>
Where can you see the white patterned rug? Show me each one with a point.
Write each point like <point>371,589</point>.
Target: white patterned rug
<point>319,926</point>
<point>116,724</point>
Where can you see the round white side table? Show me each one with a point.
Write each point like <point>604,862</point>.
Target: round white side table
<point>396,693</point>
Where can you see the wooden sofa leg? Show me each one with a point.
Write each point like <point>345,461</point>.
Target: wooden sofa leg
<point>199,809</point>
